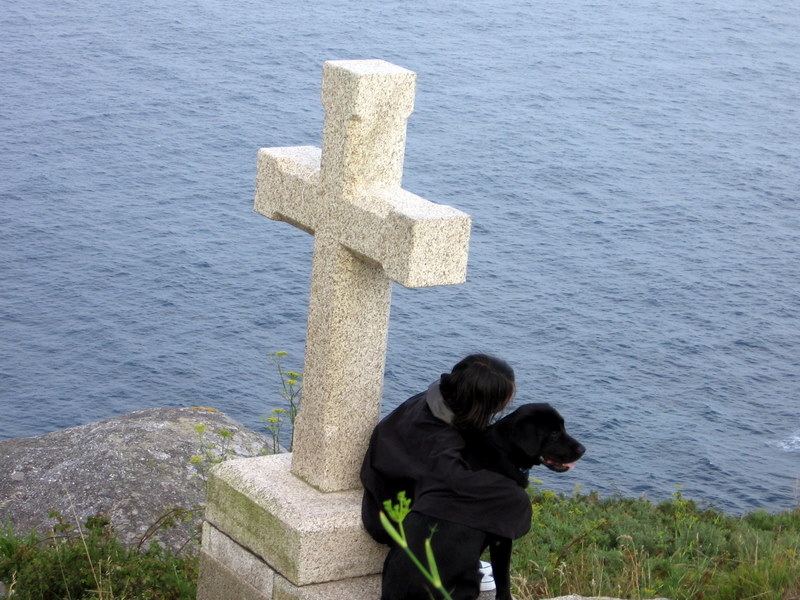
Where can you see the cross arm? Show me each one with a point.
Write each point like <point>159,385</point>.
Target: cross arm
<point>287,185</point>
<point>417,242</point>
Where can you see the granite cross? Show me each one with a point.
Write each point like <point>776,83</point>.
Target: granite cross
<point>368,232</point>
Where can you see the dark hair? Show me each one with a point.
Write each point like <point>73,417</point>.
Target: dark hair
<point>477,388</point>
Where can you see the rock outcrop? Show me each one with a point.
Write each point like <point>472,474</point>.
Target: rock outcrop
<point>132,469</point>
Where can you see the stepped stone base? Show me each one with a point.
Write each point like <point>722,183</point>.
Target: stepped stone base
<point>270,536</point>
<point>229,571</point>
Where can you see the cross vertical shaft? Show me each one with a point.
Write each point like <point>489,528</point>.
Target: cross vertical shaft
<point>366,105</point>
<point>369,232</point>
<point>348,323</point>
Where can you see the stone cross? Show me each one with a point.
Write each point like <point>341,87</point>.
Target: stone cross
<point>368,232</point>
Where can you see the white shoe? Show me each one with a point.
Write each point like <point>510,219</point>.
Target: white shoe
<point>487,577</point>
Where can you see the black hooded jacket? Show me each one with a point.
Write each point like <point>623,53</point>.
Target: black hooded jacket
<point>416,450</point>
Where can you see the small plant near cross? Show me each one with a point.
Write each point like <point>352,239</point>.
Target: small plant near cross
<point>290,391</point>
<point>209,453</point>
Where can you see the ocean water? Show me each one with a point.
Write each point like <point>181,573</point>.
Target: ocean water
<point>631,169</point>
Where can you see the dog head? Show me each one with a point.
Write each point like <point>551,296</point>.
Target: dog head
<point>534,434</point>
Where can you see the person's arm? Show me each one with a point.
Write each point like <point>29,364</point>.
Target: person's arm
<point>481,499</point>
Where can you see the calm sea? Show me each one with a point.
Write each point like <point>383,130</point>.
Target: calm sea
<point>631,167</point>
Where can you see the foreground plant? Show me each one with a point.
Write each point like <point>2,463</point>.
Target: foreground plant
<point>397,513</point>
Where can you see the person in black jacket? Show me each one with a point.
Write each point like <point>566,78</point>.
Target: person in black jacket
<point>418,449</point>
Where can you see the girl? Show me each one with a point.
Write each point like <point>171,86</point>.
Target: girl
<point>418,449</point>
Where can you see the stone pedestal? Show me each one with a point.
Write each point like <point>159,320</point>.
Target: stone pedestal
<point>270,536</point>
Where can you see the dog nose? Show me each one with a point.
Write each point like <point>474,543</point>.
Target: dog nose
<point>580,449</point>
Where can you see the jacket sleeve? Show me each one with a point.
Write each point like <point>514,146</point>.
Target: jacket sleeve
<point>480,499</point>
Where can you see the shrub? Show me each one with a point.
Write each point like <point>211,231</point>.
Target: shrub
<point>582,544</point>
<point>90,562</point>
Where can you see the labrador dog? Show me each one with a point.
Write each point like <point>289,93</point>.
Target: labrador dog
<point>534,434</point>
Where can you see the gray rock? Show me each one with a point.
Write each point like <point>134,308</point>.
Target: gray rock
<point>131,469</point>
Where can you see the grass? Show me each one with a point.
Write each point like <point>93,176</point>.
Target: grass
<point>89,562</point>
<point>582,544</point>
<point>578,544</point>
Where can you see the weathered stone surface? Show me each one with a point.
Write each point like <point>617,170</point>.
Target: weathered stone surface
<point>285,523</point>
<point>132,469</point>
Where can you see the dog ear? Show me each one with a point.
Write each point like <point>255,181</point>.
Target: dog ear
<point>527,434</point>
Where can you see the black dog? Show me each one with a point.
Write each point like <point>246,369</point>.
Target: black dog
<point>531,435</point>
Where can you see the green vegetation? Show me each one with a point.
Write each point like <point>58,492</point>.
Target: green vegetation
<point>89,562</point>
<point>578,544</point>
<point>627,548</point>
